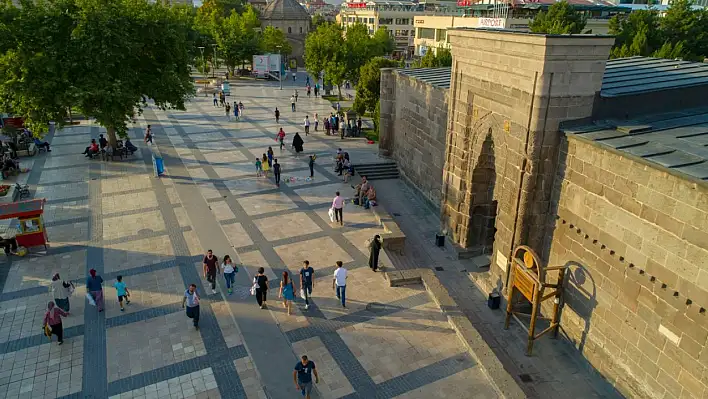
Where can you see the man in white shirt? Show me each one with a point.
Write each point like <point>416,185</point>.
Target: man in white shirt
<point>339,282</point>
<point>307,125</point>
<point>338,205</point>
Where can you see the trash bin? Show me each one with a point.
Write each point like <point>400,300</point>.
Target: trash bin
<point>440,240</point>
<point>494,300</point>
<point>158,164</point>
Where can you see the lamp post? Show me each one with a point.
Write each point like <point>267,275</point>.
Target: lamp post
<point>280,66</point>
<point>213,72</point>
<point>201,50</point>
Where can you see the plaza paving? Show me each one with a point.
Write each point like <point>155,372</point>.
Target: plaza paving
<point>117,218</point>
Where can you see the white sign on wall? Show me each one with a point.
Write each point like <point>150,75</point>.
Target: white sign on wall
<point>496,23</point>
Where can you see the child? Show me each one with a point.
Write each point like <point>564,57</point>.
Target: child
<point>264,165</point>
<point>259,167</point>
<point>122,292</point>
<point>281,138</point>
<point>228,111</point>
<point>270,156</point>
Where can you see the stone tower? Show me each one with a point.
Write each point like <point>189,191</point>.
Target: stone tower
<point>509,93</point>
<point>291,18</point>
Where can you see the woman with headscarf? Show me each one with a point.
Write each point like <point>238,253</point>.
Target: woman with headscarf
<point>94,285</point>
<point>374,249</point>
<point>61,290</point>
<point>297,144</point>
<point>53,319</point>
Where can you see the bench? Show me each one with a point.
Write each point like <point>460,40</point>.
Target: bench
<point>28,150</point>
<point>393,238</point>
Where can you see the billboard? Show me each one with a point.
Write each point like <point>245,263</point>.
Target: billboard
<point>497,23</point>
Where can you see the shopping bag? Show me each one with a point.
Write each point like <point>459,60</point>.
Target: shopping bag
<point>90,299</point>
<point>254,287</point>
<point>48,331</point>
<point>331,215</point>
<point>302,293</point>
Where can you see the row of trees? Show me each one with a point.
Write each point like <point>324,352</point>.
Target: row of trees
<point>98,56</point>
<point>681,32</point>
<point>235,29</point>
<point>340,56</point>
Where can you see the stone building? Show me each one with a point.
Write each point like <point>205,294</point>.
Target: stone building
<point>291,18</point>
<point>600,166</point>
<point>415,108</point>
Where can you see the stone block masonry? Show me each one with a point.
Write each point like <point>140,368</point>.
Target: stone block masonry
<point>414,115</point>
<point>634,239</point>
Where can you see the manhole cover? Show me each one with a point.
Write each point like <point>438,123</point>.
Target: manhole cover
<point>525,378</point>
<point>375,307</point>
<point>439,268</point>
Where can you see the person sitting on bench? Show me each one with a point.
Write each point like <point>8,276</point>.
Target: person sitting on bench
<point>42,144</point>
<point>130,146</point>
<point>361,190</point>
<point>91,149</point>
<point>370,196</point>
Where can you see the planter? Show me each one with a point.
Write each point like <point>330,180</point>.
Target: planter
<point>4,189</point>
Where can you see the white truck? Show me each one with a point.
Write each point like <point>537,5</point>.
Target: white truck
<point>267,66</point>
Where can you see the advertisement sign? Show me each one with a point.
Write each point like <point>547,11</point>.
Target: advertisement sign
<point>497,23</point>
<point>356,5</point>
<point>465,3</point>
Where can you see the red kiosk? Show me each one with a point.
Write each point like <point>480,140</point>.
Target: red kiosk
<point>31,232</point>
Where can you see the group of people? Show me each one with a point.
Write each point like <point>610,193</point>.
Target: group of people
<point>102,146</point>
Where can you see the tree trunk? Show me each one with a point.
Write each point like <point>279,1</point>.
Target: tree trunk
<point>339,92</point>
<point>71,117</point>
<point>112,139</point>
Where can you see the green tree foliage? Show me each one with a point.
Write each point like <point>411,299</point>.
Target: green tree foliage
<point>220,8</point>
<point>317,20</point>
<point>360,48</point>
<point>441,57</point>
<point>383,41</point>
<point>681,33</point>
<point>274,41</point>
<point>99,56</point>
<point>368,88</point>
<point>237,38</point>
<point>560,19</point>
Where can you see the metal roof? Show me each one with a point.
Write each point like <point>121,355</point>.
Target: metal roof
<point>438,77</point>
<point>677,141</point>
<point>285,10</point>
<point>636,75</point>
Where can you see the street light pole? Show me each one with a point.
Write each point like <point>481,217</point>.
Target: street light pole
<point>280,66</point>
<point>201,50</point>
<point>213,72</point>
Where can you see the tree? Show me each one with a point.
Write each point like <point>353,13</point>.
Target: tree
<point>438,59</point>
<point>368,89</point>
<point>220,8</point>
<point>560,19</point>
<point>681,33</point>
<point>229,38</point>
<point>443,57</point>
<point>359,46</point>
<point>274,41</point>
<point>325,51</point>
<point>383,41</point>
<point>317,20</point>
<point>106,54</point>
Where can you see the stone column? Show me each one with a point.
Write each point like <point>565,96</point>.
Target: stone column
<point>509,93</point>
<point>388,111</point>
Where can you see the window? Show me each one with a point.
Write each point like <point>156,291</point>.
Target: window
<point>371,20</point>
<point>290,30</point>
<point>401,32</point>
<point>385,21</point>
<point>442,35</point>
<point>301,29</point>
<point>402,21</point>
<point>426,33</point>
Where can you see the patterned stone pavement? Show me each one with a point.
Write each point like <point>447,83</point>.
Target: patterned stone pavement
<point>117,218</point>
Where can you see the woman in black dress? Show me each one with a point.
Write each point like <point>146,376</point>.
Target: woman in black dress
<point>374,250</point>
<point>297,144</point>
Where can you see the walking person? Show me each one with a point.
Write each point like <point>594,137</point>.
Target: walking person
<point>122,292</point>
<point>264,163</point>
<point>317,120</point>
<point>297,144</point>
<point>270,156</point>
<point>374,245</point>
<point>342,129</point>
<point>237,114</point>
<point>261,283</point>
<point>292,103</point>
<point>259,167</point>
<point>228,111</point>
<point>276,171</point>
<point>339,283</point>
<point>281,138</point>
<point>307,125</point>
<point>277,115</point>
<point>338,205</point>
<point>296,95</point>
<point>307,282</point>
<point>311,164</point>
<point>216,102</point>
<point>61,291</point>
<point>240,108</point>
<point>287,292</point>
<point>302,376</point>
<point>211,269</point>
<point>148,135</point>
<point>94,286</point>
<point>230,271</point>
<point>191,298</point>
<point>52,321</point>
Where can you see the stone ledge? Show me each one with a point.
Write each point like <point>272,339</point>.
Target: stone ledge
<point>480,350</point>
<point>393,239</point>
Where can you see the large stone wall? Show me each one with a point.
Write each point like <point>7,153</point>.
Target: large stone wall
<point>508,95</point>
<point>418,121</point>
<point>635,239</point>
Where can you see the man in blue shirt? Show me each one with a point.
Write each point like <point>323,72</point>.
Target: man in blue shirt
<point>307,281</point>
<point>303,376</point>
<point>191,297</point>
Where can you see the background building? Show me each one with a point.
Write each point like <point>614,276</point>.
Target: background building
<point>291,18</point>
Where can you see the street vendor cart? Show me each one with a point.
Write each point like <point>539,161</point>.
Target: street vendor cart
<point>31,231</point>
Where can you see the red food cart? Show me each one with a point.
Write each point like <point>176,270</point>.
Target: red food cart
<point>31,232</point>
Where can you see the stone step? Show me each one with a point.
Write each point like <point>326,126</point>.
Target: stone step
<point>378,170</point>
